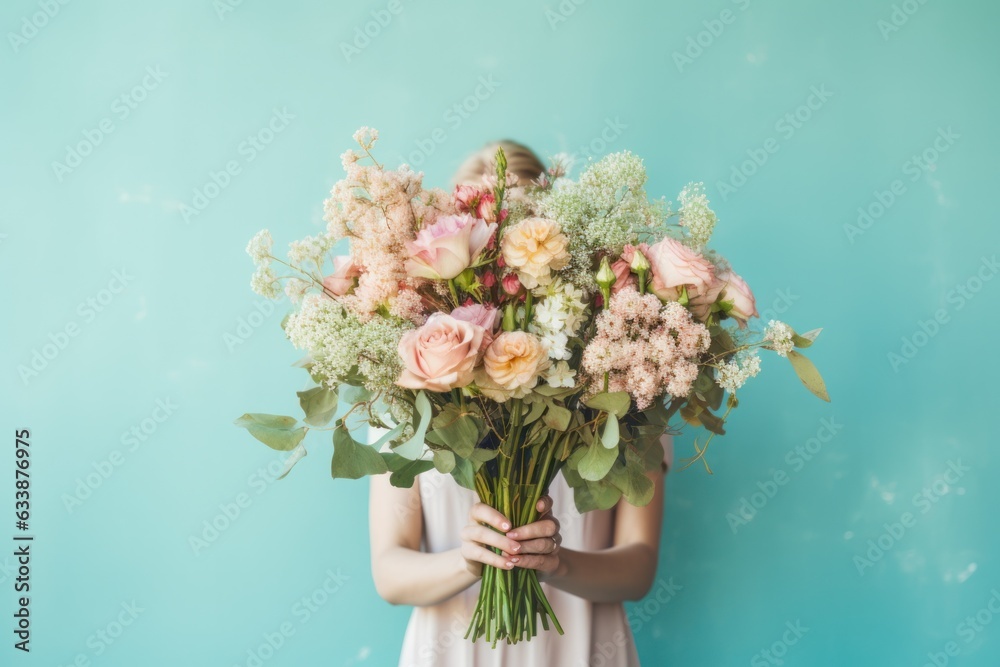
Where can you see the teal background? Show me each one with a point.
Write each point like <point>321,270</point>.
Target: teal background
<point>564,73</point>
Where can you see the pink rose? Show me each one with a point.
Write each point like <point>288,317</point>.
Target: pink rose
<point>623,268</point>
<point>674,265</point>
<point>466,197</point>
<point>444,249</point>
<point>341,281</point>
<point>738,292</point>
<point>486,317</point>
<point>701,298</point>
<point>441,354</point>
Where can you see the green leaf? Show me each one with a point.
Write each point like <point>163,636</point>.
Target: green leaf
<point>806,339</point>
<point>444,461</point>
<point>557,417</point>
<point>595,496</point>
<point>319,404</point>
<point>353,460</point>
<point>293,458</point>
<point>404,471</point>
<point>615,402</point>
<point>596,461</point>
<point>809,375</point>
<point>464,473</point>
<point>632,481</point>
<point>537,408</point>
<point>414,447</point>
<point>275,431</point>
<point>457,430</point>
<point>354,394</point>
<point>610,435</point>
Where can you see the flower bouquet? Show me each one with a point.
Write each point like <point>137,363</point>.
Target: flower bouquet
<point>506,332</point>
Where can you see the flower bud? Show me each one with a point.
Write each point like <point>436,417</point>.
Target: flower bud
<point>509,323</point>
<point>511,284</point>
<point>639,262</point>
<point>605,276</point>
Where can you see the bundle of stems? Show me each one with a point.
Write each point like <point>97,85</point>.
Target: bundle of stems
<point>512,603</point>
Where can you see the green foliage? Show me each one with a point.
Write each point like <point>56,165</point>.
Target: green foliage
<point>275,431</point>
<point>319,405</point>
<point>808,374</point>
<point>352,459</point>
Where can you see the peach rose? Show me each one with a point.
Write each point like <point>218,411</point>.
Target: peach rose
<point>738,292</point>
<point>441,354</point>
<point>701,299</point>
<point>534,248</point>
<point>341,280</point>
<point>447,247</point>
<point>674,265</point>
<point>515,359</point>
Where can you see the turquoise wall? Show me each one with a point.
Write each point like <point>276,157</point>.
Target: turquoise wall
<point>850,150</point>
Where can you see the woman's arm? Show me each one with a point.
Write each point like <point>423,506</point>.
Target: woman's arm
<point>406,575</point>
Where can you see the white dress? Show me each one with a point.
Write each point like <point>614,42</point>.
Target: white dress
<point>435,635</point>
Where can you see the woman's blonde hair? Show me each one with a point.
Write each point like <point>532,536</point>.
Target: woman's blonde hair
<point>521,161</point>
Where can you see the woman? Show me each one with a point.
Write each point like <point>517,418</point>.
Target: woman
<point>429,544</point>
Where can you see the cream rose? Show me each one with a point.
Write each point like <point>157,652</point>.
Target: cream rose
<point>534,248</point>
<point>515,359</point>
<point>441,354</point>
<point>674,265</point>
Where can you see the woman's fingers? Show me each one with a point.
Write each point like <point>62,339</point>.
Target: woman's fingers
<point>541,545</point>
<point>480,554</point>
<point>545,527</point>
<point>489,537</point>
<point>545,564</point>
<point>544,505</point>
<point>483,513</point>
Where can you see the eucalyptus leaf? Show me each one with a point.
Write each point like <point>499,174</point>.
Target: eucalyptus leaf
<point>444,461</point>
<point>615,402</point>
<point>319,405</point>
<point>611,433</point>
<point>596,461</point>
<point>537,408</point>
<point>457,430</point>
<point>809,375</point>
<point>275,431</point>
<point>414,447</point>
<point>404,471</point>
<point>632,481</point>
<point>297,454</point>
<point>354,394</point>
<point>557,417</point>
<point>464,473</point>
<point>806,339</point>
<point>351,459</point>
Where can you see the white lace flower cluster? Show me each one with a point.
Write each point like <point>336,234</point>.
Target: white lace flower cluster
<point>695,215</point>
<point>601,212</point>
<point>557,317</point>
<point>264,281</point>
<point>310,250</point>
<point>734,373</point>
<point>337,342</point>
<point>780,336</point>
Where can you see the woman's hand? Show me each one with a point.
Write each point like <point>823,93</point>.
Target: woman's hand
<point>534,546</point>
<point>540,541</point>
